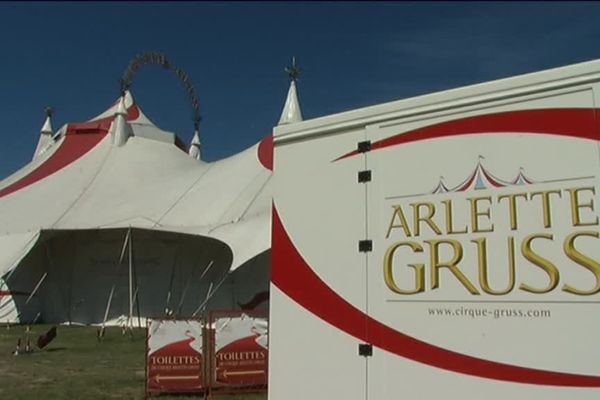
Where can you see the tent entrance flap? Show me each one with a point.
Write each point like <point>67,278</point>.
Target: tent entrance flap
<point>88,279</point>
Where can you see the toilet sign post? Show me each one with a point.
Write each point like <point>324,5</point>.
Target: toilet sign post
<point>174,357</point>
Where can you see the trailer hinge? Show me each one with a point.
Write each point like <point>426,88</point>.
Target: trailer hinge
<point>364,147</point>
<point>364,176</point>
<point>365,246</point>
<point>365,349</point>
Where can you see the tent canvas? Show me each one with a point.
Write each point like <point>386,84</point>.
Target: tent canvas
<point>66,216</point>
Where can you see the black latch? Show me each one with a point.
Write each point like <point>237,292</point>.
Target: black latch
<point>364,176</point>
<point>365,146</point>
<point>365,349</point>
<point>365,246</point>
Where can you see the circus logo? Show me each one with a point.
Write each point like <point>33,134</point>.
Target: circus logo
<point>486,233</point>
<point>480,179</point>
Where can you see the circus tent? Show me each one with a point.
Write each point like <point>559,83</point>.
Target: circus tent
<point>115,217</point>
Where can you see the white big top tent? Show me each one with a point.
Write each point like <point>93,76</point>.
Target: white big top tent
<point>113,218</point>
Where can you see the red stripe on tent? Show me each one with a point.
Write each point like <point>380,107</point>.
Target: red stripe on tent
<point>573,122</point>
<point>79,139</point>
<point>133,113</point>
<point>73,147</point>
<point>294,277</point>
<point>12,293</point>
<point>265,152</point>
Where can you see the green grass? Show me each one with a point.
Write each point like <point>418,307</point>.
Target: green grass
<point>76,366</point>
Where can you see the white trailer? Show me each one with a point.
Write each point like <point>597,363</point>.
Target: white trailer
<point>444,246</point>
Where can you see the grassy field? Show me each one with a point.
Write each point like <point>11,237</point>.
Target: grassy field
<point>76,366</point>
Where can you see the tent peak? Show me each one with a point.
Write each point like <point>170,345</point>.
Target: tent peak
<point>121,109</point>
<point>291,110</point>
<point>47,127</point>
<point>195,146</point>
<point>120,129</point>
<point>129,100</point>
<point>46,134</point>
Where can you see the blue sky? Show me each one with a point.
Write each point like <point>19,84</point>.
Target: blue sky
<point>71,55</point>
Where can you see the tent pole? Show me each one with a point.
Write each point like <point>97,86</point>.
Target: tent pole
<point>205,300</point>
<point>36,287</point>
<point>136,302</point>
<point>208,266</point>
<point>185,289</point>
<point>136,299</point>
<point>125,242</point>
<point>211,294</point>
<point>110,296</point>
<point>170,286</point>
<point>206,269</point>
<point>129,320</point>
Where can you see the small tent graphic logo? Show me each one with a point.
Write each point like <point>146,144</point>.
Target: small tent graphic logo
<point>480,179</point>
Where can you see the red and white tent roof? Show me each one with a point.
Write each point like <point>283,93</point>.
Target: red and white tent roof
<point>120,170</point>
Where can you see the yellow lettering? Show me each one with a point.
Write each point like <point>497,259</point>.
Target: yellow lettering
<point>388,263</point>
<point>576,205</point>
<point>583,260</point>
<point>512,206</point>
<point>476,213</point>
<point>403,224</point>
<point>451,265</point>
<point>427,218</point>
<point>483,273</point>
<point>546,209</point>
<point>449,223</point>
<point>541,262</point>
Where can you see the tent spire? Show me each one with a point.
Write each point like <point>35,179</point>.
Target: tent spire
<point>121,130</point>
<point>46,133</point>
<point>291,110</point>
<point>195,147</point>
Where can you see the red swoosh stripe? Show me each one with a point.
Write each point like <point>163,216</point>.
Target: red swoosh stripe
<point>574,122</point>
<point>294,277</point>
<point>79,139</point>
<point>265,152</point>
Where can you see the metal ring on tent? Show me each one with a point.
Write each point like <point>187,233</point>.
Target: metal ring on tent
<point>160,59</point>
